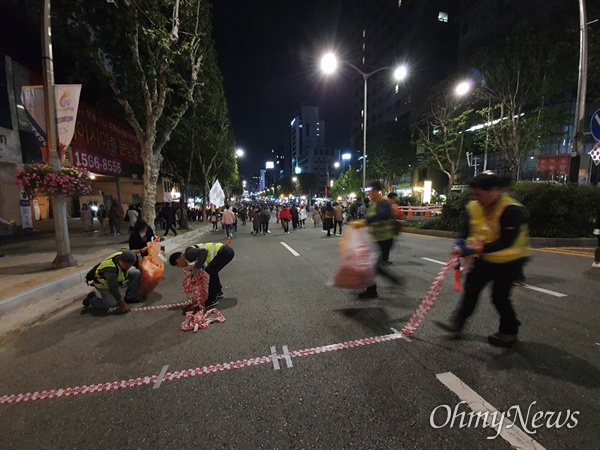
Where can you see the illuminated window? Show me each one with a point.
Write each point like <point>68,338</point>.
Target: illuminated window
<point>442,16</point>
<point>362,113</point>
<point>399,3</point>
<point>364,33</point>
<point>363,60</point>
<point>364,45</point>
<point>396,89</point>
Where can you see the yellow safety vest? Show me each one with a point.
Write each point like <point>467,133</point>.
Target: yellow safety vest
<point>212,247</point>
<point>109,262</point>
<point>381,230</point>
<point>485,226</point>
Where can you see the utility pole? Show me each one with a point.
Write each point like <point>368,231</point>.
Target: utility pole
<point>581,92</point>
<point>59,205</point>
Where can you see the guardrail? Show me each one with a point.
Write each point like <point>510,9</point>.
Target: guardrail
<point>410,211</point>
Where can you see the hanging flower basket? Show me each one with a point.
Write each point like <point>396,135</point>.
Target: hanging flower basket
<point>43,179</point>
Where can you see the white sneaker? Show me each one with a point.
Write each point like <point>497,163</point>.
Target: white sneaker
<point>269,231</point>
<point>596,265</point>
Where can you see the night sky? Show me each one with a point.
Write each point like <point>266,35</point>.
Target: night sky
<point>269,53</point>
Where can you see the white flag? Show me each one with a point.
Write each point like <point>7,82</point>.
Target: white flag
<point>217,196</point>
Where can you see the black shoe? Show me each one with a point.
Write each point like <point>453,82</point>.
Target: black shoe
<point>368,295</point>
<point>220,295</point>
<point>389,263</point>
<point>134,300</point>
<point>210,305</point>
<point>503,340</point>
<point>86,300</point>
<point>450,327</point>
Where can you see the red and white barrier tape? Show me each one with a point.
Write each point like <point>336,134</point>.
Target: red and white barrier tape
<point>88,389</point>
<point>430,297</point>
<point>170,306</point>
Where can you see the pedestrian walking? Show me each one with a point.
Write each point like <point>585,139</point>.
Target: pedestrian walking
<point>328,217</point>
<point>114,220</point>
<point>285,216</point>
<point>265,218</point>
<point>338,217</point>
<point>317,217</point>
<point>227,219</point>
<point>255,217</point>
<point>381,221</point>
<point>302,217</point>
<point>497,236</point>
<point>294,213</point>
<point>213,256</point>
<point>102,215</point>
<point>132,217</point>
<point>169,216</point>
<point>87,219</point>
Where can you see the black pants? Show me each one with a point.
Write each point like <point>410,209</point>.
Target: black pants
<point>502,275</point>
<point>265,226</point>
<point>220,260</point>
<point>169,227</point>
<point>384,247</point>
<point>285,223</point>
<point>337,223</point>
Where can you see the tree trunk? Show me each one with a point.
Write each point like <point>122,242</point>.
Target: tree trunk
<point>183,223</point>
<point>152,163</point>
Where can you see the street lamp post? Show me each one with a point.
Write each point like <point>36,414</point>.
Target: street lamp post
<point>328,65</point>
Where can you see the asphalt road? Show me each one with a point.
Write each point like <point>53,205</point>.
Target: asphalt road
<point>368,393</point>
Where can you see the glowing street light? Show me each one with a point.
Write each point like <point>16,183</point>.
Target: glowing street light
<point>336,164</point>
<point>329,64</point>
<point>239,153</point>
<point>463,88</point>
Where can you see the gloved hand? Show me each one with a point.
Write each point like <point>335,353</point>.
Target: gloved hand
<point>462,249</point>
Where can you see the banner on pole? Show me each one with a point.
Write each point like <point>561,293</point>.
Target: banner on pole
<point>67,103</point>
<point>217,196</point>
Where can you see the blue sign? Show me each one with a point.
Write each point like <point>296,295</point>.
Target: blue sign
<point>595,125</point>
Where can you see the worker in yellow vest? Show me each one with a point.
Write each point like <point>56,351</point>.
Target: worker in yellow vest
<point>213,256</point>
<point>497,236</point>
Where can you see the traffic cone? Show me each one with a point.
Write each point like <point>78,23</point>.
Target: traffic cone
<point>457,285</point>
<point>427,211</point>
<point>410,211</point>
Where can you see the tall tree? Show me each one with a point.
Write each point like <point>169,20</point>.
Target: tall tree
<point>442,132</point>
<point>150,53</point>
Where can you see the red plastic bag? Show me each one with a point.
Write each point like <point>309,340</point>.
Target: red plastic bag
<point>358,261</point>
<point>152,269</point>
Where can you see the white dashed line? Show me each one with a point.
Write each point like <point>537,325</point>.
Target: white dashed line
<point>292,251</point>
<point>526,286</point>
<point>508,431</point>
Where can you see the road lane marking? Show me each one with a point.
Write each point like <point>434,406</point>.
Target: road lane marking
<point>292,251</point>
<point>195,372</point>
<point>545,291</point>
<point>161,377</point>
<point>286,355</point>
<point>274,358</point>
<point>526,286</point>
<point>513,435</point>
<point>570,251</point>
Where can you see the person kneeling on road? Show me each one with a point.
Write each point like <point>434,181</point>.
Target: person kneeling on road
<point>216,256</point>
<point>109,274</point>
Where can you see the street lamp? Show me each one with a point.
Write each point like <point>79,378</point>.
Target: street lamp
<point>239,153</point>
<point>329,64</point>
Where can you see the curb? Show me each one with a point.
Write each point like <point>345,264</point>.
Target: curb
<point>40,293</point>
<point>536,242</point>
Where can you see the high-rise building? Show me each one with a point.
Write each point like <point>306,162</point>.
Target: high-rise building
<point>422,36</point>
<point>307,149</point>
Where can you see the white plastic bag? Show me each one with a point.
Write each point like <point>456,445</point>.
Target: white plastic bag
<point>358,261</point>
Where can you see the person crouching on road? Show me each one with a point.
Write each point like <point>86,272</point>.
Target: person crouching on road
<point>216,256</point>
<point>497,235</point>
<point>111,272</point>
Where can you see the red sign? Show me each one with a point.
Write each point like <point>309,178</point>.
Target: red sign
<point>560,164</point>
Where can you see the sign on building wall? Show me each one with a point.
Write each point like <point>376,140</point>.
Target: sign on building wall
<point>104,145</point>
<point>560,164</point>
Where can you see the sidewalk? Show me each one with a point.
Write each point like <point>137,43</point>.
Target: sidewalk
<point>26,275</point>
